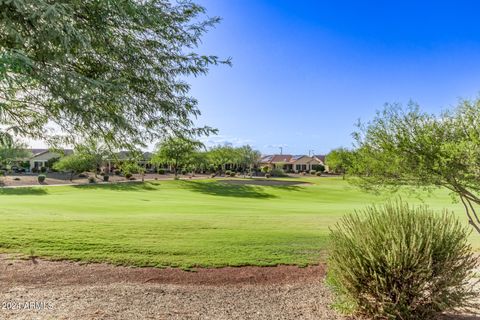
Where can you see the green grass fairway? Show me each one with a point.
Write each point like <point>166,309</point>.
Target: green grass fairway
<point>183,223</point>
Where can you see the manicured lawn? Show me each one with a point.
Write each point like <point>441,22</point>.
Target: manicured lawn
<point>183,223</point>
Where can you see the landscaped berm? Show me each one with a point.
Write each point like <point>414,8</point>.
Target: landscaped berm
<point>186,224</point>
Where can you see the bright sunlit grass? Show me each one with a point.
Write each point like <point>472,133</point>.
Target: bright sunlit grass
<point>184,223</point>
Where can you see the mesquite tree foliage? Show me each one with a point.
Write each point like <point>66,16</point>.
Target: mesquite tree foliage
<point>409,147</point>
<point>111,69</point>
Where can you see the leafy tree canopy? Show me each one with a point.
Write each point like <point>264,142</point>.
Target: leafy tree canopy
<point>75,163</point>
<point>11,150</point>
<point>176,152</point>
<point>404,146</point>
<point>115,70</point>
<point>339,160</point>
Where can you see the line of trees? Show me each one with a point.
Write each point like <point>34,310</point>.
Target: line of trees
<point>191,155</point>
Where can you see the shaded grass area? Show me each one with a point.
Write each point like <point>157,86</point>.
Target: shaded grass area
<point>208,223</point>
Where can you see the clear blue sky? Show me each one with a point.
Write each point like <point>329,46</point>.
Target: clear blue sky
<point>305,71</point>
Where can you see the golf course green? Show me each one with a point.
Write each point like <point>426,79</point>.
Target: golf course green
<point>195,223</point>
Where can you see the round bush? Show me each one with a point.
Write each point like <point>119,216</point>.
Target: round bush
<point>161,171</point>
<point>228,172</point>
<point>313,172</point>
<point>401,262</point>
<point>184,172</point>
<point>128,175</point>
<point>41,178</point>
<point>267,175</point>
<point>233,174</point>
<point>318,173</point>
<point>117,172</point>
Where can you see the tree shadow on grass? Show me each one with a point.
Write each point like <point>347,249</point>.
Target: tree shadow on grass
<point>219,188</point>
<point>23,191</point>
<point>120,186</point>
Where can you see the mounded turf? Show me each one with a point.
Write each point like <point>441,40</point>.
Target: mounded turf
<point>185,224</point>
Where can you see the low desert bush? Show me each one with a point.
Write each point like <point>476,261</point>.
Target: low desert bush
<point>401,262</point>
<point>41,178</point>
<point>277,173</point>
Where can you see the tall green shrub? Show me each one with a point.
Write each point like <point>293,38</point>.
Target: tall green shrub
<point>401,262</point>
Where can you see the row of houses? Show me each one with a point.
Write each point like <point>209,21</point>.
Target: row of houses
<point>289,163</point>
<point>293,163</point>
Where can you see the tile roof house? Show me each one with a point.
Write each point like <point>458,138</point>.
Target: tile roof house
<point>295,163</point>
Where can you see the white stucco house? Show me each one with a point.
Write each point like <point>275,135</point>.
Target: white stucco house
<point>40,157</point>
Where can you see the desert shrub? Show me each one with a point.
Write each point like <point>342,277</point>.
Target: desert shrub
<point>91,179</point>
<point>318,173</point>
<point>318,167</point>
<point>401,262</point>
<point>128,175</point>
<point>41,178</point>
<point>228,172</point>
<point>106,177</point>
<point>313,172</point>
<point>267,175</point>
<point>233,174</point>
<point>278,173</point>
<point>161,171</point>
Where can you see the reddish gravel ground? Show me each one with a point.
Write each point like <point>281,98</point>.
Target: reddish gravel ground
<point>39,289</point>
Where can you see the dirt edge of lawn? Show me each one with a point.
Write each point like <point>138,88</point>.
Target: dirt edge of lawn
<point>39,271</point>
<point>104,291</point>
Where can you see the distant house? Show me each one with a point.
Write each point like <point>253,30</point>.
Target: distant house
<point>40,157</point>
<point>293,163</point>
